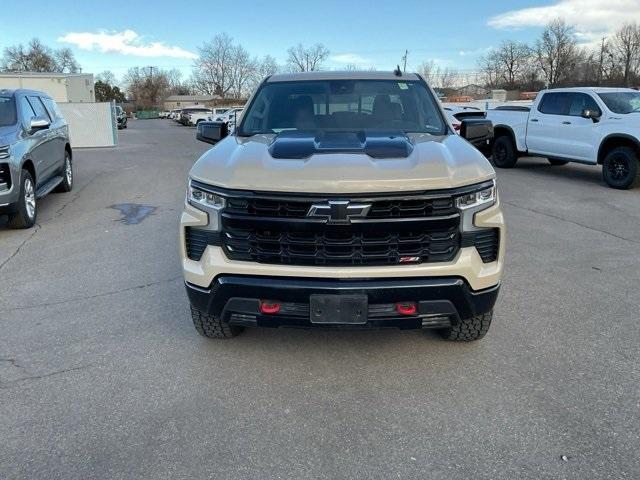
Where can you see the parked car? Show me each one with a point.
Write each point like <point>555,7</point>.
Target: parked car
<point>318,212</point>
<point>35,154</point>
<point>121,118</point>
<point>185,114</point>
<point>164,114</point>
<point>174,113</point>
<point>230,115</point>
<point>594,126</point>
<point>457,113</point>
<point>195,117</point>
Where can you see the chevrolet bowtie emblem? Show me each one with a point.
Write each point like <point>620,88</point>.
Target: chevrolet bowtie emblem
<point>339,211</point>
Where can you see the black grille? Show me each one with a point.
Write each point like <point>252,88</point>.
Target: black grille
<point>365,243</point>
<point>486,241</point>
<point>197,240</point>
<point>392,208</point>
<point>5,177</point>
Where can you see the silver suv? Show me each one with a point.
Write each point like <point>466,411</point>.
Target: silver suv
<point>35,153</point>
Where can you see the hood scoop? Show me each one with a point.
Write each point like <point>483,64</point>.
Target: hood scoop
<point>377,144</point>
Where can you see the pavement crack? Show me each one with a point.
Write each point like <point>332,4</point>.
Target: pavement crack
<point>562,219</point>
<point>97,295</point>
<point>77,194</point>
<point>11,361</point>
<point>32,234</point>
<point>45,375</point>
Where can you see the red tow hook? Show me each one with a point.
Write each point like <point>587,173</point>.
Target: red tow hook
<point>269,307</point>
<point>406,308</point>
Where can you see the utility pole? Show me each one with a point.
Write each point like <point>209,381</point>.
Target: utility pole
<point>151,70</point>
<point>404,58</point>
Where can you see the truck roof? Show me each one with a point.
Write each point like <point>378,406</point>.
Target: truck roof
<point>338,75</point>
<point>590,89</point>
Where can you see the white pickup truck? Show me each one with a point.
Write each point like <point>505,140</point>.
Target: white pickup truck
<point>595,126</point>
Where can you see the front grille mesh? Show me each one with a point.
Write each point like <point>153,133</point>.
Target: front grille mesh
<point>393,208</point>
<point>396,230</point>
<point>341,246</point>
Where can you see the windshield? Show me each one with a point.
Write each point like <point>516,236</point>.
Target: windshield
<point>7,112</point>
<point>621,102</point>
<point>343,105</point>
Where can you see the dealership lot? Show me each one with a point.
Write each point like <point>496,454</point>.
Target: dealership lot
<point>103,376</point>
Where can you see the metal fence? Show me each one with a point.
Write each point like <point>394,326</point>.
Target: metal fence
<point>91,124</point>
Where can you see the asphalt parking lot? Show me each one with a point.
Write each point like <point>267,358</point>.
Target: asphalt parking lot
<point>102,374</point>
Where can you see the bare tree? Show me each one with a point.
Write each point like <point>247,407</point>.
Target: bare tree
<point>626,44</point>
<point>212,75</point>
<point>147,87</point>
<point>66,61</point>
<point>448,78</point>
<point>263,68</point>
<point>306,59</point>
<point>429,71</point>
<point>242,70</point>
<point>37,57</point>
<point>490,68</point>
<point>556,52</point>
<point>106,77</point>
<point>512,59</point>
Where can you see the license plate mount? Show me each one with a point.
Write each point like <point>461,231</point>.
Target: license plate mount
<point>338,309</point>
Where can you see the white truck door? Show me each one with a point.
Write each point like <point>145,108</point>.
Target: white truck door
<point>545,122</point>
<point>578,134</point>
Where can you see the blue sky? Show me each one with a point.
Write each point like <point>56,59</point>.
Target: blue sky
<point>116,35</point>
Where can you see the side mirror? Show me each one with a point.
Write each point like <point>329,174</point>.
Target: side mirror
<point>592,114</point>
<point>38,123</point>
<point>477,131</point>
<point>211,132</point>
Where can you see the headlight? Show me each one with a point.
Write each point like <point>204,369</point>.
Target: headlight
<point>209,202</point>
<point>486,196</point>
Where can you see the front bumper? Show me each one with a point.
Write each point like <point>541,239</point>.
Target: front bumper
<point>441,302</point>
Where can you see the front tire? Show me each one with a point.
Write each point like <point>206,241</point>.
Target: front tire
<point>25,216</point>
<point>469,329</point>
<point>503,152</point>
<point>212,327</point>
<point>621,169</point>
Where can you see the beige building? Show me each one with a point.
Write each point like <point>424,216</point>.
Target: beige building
<point>183,101</point>
<point>62,87</point>
<point>209,101</point>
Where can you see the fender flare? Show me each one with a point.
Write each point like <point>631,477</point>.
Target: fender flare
<point>622,136</point>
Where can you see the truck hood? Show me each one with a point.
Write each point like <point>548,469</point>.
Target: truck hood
<point>433,162</point>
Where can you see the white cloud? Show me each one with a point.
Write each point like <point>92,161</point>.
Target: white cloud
<point>126,42</point>
<point>349,58</point>
<point>591,18</point>
<point>477,51</point>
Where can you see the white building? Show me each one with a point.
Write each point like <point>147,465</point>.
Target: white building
<point>62,87</point>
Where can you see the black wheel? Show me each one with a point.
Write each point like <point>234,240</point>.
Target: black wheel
<point>67,174</point>
<point>557,163</point>
<point>25,216</point>
<point>211,327</point>
<point>503,152</point>
<point>620,168</point>
<point>469,329</point>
